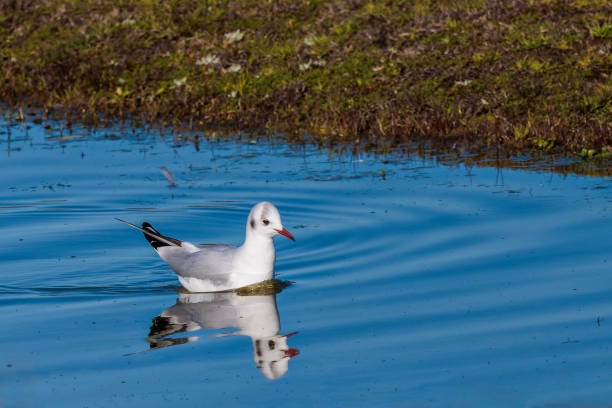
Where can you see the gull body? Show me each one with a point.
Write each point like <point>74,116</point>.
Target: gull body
<point>223,267</point>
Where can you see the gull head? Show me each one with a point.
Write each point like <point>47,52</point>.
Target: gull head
<point>265,220</point>
<point>272,355</point>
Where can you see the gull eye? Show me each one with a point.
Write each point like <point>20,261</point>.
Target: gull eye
<point>266,222</point>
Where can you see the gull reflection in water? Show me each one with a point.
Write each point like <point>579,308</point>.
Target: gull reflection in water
<point>251,310</point>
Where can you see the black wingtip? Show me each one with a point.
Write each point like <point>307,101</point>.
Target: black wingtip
<point>147,226</point>
<point>155,243</point>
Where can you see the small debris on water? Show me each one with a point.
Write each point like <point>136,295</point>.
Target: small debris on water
<point>168,176</point>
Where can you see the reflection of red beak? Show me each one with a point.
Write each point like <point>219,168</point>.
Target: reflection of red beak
<point>291,352</point>
<point>289,335</point>
<point>286,233</point>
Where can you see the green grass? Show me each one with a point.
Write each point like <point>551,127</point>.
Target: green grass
<point>527,75</point>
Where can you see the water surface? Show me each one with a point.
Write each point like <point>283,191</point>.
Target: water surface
<point>415,283</point>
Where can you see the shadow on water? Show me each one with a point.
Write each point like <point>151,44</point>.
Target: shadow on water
<point>251,310</point>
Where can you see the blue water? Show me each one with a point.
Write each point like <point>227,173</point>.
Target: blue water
<point>415,283</point>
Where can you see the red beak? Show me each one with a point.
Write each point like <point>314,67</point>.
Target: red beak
<point>286,233</point>
<point>291,352</point>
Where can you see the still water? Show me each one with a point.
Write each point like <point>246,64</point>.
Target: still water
<point>415,284</point>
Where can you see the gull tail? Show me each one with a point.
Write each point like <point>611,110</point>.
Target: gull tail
<point>156,239</point>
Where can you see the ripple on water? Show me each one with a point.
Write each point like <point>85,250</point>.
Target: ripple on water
<point>438,285</point>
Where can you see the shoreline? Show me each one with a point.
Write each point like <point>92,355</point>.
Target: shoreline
<point>443,154</point>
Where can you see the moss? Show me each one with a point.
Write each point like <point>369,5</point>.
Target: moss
<point>388,72</point>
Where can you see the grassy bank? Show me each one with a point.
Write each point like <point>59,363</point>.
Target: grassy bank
<point>526,75</point>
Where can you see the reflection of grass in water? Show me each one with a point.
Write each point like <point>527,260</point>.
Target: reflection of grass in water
<point>527,75</point>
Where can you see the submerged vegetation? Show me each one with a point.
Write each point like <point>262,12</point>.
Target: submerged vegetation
<point>524,75</point>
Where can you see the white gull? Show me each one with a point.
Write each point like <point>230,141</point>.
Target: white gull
<point>223,267</point>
